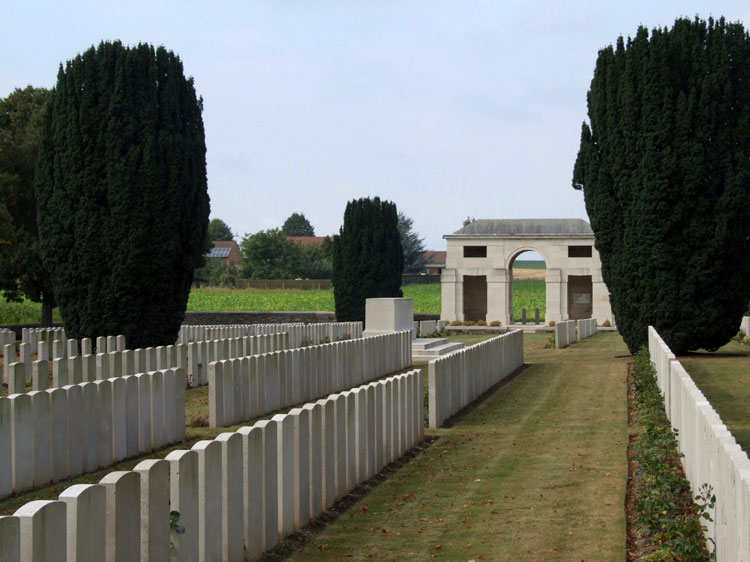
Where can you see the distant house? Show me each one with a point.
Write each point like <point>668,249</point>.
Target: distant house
<point>226,250</point>
<point>307,240</point>
<point>434,261</point>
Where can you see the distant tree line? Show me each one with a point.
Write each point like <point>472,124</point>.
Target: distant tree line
<point>268,254</point>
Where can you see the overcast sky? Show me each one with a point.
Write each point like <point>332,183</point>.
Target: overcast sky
<point>449,109</point>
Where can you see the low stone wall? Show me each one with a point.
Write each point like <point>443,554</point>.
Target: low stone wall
<point>458,379</point>
<point>256,317</point>
<point>52,435</point>
<point>710,453</point>
<point>238,494</point>
<point>245,388</point>
<point>565,333</point>
<point>586,328</point>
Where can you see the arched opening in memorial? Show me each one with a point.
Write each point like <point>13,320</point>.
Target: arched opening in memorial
<point>527,287</point>
<point>475,297</point>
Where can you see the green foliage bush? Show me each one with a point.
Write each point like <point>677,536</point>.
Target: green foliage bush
<point>368,260</point>
<point>664,506</point>
<point>121,192</point>
<point>664,167</point>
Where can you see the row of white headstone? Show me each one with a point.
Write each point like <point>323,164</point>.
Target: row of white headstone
<point>710,452</point>
<point>565,333</point>
<point>7,337</point>
<point>299,333</point>
<point>586,328</point>
<point>56,434</point>
<point>192,358</point>
<point>570,331</point>
<point>236,495</point>
<point>457,379</point>
<point>244,388</point>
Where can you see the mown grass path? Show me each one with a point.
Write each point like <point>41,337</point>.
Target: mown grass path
<point>536,471</point>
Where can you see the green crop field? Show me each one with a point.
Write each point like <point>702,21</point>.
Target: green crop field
<point>527,293</point>
<point>529,264</point>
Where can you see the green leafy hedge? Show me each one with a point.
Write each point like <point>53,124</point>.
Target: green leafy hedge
<point>665,511</point>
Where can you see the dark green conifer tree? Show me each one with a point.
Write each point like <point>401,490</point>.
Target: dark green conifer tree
<point>665,170</point>
<point>121,192</point>
<point>368,260</point>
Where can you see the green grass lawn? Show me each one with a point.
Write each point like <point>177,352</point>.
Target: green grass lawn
<point>527,293</point>
<point>537,471</point>
<point>724,378</point>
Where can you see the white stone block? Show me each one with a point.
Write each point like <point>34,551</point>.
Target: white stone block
<point>301,419</point>
<point>39,375</point>
<point>286,462</point>
<point>123,521</point>
<point>88,364</point>
<point>86,348</point>
<point>39,404</point>
<point>216,394</point>
<point>6,450</point>
<point>155,527</point>
<point>179,404</point>
<point>104,422</point>
<point>350,421</point>
<point>252,497</point>
<point>58,431</point>
<point>10,538</point>
<point>86,510</point>
<point>315,437</point>
<point>143,382</point>
<point>339,452</point>
<point>183,498</point>
<point>170,430</point>
<point>119,419</point>
<point>271,483</point>
<point>328,444</point>
<point>209,499</point>
<point>90,427</point>
<point>131,415</point>
<point>232,492</point>
<point>157,409</point>
<point>102,366</point>
<point>75,370</point>
<point>42,526</point>
<point>16,378</point>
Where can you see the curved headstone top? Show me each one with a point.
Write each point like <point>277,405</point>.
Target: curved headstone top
<point>525,227</point>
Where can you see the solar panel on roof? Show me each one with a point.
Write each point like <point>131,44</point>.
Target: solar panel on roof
<point>218,253</point>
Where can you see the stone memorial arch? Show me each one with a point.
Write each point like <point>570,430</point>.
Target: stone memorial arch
<point>477,282</point>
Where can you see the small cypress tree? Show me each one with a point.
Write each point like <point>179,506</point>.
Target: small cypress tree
<point>368,260</point>
<point>121,191</point>
<point>665,170</point>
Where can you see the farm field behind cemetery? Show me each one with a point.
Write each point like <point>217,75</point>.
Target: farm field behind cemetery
<point>527,293</point>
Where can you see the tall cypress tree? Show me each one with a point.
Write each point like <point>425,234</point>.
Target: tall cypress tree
<point>121,190</point>
<point>665,170</point>
<point>368,260</point>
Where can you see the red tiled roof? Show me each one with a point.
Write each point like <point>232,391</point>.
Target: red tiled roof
<point>434,257</point>
<point>307,240</point>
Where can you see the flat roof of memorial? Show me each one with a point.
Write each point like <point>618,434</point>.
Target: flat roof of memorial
<point>525,227</point>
